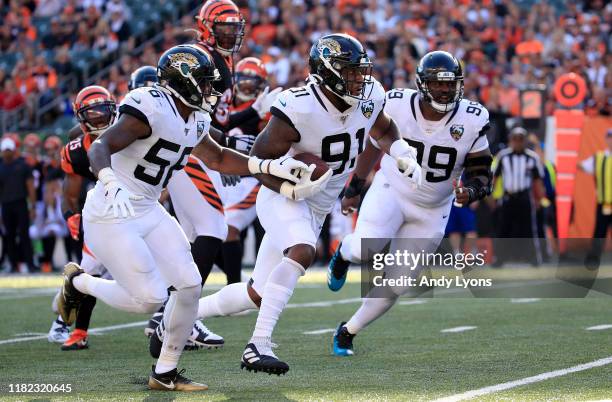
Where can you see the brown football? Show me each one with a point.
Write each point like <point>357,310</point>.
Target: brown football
<point>309,159</point>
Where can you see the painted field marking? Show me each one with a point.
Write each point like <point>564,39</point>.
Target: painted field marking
<point>458,329</point>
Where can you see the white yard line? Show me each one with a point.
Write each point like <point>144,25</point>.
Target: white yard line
<point>599,327</point>
<point>143,323</point>
<point>319,331</point>
<point>411,302</point>
<point>458,329</point>
<point>525,300</point>
<point>524,381</point>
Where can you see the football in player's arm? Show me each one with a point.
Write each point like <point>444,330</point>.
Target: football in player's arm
<point>277,137</point>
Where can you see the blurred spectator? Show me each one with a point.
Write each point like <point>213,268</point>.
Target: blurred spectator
<point>10,96</point>
<point>18,199</point>
<point>49,8</point>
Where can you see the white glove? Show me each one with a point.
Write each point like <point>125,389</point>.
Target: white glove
<point>305,187</point>
<point>406,158</point>
<point>286,167</point>
<point>117,198</point>
<point>265,100</point>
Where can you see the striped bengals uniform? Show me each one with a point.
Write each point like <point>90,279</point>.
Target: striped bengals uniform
<point>240,200</point>
<point>75,162</point>
<point>197,195</point>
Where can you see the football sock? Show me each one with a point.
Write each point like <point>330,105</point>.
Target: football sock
<point>278,290</point>
<point>179,316</point>
<point>204,250</point>
<point>350,249</point>
<point>370,310</point>
<point>230,299</point>
<point>232,260</point>
<point>84,313</point>
<point>111,293</point>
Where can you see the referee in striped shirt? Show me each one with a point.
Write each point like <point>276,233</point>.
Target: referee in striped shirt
<point>522,174</point>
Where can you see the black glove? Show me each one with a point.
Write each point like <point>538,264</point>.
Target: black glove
<point>229,179</point>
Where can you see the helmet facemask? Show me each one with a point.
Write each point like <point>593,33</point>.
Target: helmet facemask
<point>352,82</point>
<point>200,95</point>
<point>442,98</point>
<point>97,117</point>
<point>248,86</point>
<point>228,36</point>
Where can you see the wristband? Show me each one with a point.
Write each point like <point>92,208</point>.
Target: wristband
<point>68,214</point>
<point>106,175</point>
<point>399,148</point>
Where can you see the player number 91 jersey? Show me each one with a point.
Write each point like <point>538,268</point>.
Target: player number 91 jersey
<point>145,166</point>
<point>337,138</point>
<point>441,146</point>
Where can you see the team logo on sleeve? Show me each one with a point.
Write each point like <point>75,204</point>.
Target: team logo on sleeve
<point>184,62</point>
<point>456,131</point>
<point>201,127</point>
<point>367,108</point>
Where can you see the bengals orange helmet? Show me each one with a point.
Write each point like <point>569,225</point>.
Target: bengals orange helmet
<point>53,143</point>
<point>221,26</point>
<point>95,109</point>
<point>251,78</point>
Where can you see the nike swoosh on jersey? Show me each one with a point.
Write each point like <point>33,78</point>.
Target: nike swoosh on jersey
<point>137,100</point>
<point>282,103</point>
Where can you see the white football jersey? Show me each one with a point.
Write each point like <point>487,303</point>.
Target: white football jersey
<point>145,166</point>
<point>442,146</point>
<point>337,138</point>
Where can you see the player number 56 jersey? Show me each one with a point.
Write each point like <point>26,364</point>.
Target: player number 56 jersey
<point>441,146</point>
<point>337,138</point>
<point>145,166</point>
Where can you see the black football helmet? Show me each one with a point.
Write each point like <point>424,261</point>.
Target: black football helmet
<point>437,67</point>
<point>187,72</point>
<point>340,62</point>
<point>144,76</point>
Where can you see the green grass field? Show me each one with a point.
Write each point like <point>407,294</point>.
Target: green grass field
<point>403,356</point>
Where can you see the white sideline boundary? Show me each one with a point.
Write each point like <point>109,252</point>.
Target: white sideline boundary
<point>525,381</point>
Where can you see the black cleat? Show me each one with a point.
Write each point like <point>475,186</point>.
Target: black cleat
<point>154,321</point>
<point>173,381</point>
<point>70,298</point>
<point>343,341</point>
<point>252,360</point>
<point>203,338</point>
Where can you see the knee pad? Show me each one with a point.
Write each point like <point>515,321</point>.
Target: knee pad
<point>189,294</point>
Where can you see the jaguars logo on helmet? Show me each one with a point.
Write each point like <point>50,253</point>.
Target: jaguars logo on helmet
<point>188,73</point>
<point>440,66</point>
<point>341,64</point>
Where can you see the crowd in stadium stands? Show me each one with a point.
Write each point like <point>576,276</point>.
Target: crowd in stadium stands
<point>503,44</point>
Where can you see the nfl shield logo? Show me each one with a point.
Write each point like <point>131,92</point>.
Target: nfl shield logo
<point>367,108</point>
<point>456,131</point>
<point>201,127</point>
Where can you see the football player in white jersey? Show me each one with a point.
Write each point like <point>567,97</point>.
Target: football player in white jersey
<point>331,117</point>
<point>448,133</point>
<point>126,227</point>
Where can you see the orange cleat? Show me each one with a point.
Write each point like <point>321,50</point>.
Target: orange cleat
<point>76,341</point>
